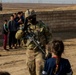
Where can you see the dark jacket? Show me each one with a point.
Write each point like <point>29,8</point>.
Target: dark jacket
<point>64,67</point>
<point>5,29</point>
<point>12,26</point>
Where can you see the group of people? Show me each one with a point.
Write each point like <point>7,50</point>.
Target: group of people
<point>10,28</point>
<point>35,57</point>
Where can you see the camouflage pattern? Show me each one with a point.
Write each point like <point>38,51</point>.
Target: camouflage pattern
<point>34,56</point>
<point>35,62</point>
<point>19,34</point>
<point>43,34</point>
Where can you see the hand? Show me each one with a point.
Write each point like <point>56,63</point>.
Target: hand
<point>48,56</point>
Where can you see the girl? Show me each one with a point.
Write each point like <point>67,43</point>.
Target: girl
<point>57,65</point>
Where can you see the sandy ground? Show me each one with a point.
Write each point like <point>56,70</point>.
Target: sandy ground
<point>14,60</point>
<point>15,7</point>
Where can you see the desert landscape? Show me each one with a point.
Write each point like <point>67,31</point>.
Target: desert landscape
<point>14,61</point>
<point>15,7</point>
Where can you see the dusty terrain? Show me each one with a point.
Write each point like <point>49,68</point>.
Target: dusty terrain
<point>13,61</point>
<point>15,7</point>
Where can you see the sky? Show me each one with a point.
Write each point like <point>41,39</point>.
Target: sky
<point>42,1</point>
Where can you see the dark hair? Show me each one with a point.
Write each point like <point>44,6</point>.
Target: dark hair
<point>12,15</point>
<point>4,73</point>
<point>57,48</point>
<point>19,13</point>
<point>5,20</point>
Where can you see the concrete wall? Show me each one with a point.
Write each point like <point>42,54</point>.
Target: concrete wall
<point>57,20</point>
<point>2,18</point>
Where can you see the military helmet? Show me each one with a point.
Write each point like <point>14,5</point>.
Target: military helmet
<point>29,12</point>
<point>19,34</point>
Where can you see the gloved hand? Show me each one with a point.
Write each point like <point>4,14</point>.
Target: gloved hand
<point>19,34</point>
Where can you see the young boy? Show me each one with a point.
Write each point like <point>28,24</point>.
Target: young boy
<point>57,65</point>
<point>12,27</point>
<point>5,33</point>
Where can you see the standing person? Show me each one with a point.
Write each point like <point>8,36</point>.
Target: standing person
<point>22,16</point>
<point>20,23</point>
<point>5,34</point>
<point>16,20</point>
<point>34,56</point>
<point>12,31</point>
<point>15,17</point>
<point>57,65</point>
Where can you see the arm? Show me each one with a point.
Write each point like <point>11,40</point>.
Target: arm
<point>48,37</point>
<point>69,69</point>
<point>44,72</point>
<point>8,25</point>
<point>25,24</point>
<point>5,28</point>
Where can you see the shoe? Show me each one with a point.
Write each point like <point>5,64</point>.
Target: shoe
<point>15,47</point>
<point>7,49</point>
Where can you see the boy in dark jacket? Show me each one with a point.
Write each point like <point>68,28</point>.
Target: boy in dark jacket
<point>5,33</point>
<point>57,65</point>
<point>12,27</point>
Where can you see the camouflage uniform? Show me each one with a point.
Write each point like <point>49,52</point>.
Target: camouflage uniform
<point>34,56</point>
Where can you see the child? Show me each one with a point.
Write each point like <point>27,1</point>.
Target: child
<point>5,33</point>
<point>57,65</point>
<point>12,27</point>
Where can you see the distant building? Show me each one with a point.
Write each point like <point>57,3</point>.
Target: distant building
<point>0,5</point>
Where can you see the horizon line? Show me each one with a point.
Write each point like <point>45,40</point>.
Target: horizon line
<point>38,3</point>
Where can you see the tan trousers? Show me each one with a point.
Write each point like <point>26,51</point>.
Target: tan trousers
<point>35,62</point>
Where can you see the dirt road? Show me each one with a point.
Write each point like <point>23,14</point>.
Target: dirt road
<point>13,61</point>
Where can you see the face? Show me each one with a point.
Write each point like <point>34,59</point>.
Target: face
<point>22,14</point>
<point>5,22</point>
<point>19,15</point>
<point>15,15</point>
<point>12,18</point>
<point>32,19</point>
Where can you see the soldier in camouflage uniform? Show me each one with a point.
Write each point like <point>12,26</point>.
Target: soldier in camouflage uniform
<point>34,56</point>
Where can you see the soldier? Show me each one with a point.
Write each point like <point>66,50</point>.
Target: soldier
<point>34,55</point>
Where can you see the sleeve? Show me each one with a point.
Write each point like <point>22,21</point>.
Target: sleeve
<point>44,72</point>
<point>8,25</point>
<point>25,24</point>
<point>4,26</point>
<point>47,34</point>
<point>68,69</point>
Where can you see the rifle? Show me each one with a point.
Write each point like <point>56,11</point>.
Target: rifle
<point>31,37</point>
